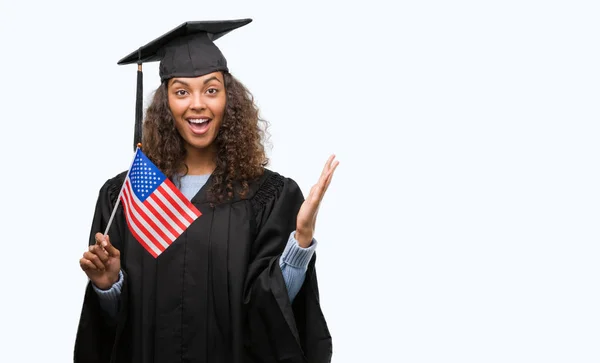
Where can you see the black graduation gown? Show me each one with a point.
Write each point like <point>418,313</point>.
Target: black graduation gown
<point>216,294</point>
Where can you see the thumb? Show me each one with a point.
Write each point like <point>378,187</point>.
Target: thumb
<point>110,249</point>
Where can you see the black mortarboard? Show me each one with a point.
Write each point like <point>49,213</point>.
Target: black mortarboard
<point>186,51</point>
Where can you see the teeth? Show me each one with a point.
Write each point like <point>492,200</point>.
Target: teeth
<point>198,120</point>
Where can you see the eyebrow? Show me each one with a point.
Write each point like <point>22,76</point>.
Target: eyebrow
<point>178,81</point>
<point>205,81</point>
<point>211,79</point>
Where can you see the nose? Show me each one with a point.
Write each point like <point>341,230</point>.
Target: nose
<point>197,103</point>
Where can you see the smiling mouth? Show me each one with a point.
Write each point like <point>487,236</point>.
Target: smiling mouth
<point>199,125</point>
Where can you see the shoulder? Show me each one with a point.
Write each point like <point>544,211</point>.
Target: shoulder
<point>111,187</point>
<point>270,185</point>
<point>272,189</point>
<point>273,193</point>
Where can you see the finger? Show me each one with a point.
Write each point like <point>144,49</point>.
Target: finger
<point>330,175</point>
<point>318,190</point>
<point>326,168</point>
<point>87,265</point>
<point>329,162</point>
<point>110,249</point>
<point>95,260</point>
<point>100,252</point>
<point>99,237</point>
<point>323,188</point>
<point>332,165</point>
<point>324,184</point>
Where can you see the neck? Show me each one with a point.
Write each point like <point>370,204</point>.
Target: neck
<point>200,162</point>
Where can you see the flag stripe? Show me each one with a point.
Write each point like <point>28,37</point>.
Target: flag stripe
<point>173,200</point>
<point>141,223</point>
<point>183,202</point>
<point>139,235</point>
<point>167,204</point>
<point>162,216</point>
<point>150,217</point>
<point>144,221</point>
<point>156,198</point>
<point>141,240</point>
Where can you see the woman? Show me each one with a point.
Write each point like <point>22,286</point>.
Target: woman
<point>239,285</point>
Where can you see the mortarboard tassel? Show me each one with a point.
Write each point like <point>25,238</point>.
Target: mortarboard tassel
<point>137,132</point>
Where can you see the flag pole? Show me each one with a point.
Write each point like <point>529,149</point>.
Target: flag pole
<point>112,215</point>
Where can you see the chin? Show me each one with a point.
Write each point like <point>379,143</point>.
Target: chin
<point>201,145</point>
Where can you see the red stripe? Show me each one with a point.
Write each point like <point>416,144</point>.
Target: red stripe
<point>136,222</point>
<point>140,226</point>
<point>160,217</point>
<point>176,206</point>
<point>149,220</point>
<point>134,233</point>
<point>167,211</point>
<point>152,227</point>
<point>183,198</point>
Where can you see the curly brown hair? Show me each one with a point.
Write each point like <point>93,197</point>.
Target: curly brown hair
<point>240,155</point>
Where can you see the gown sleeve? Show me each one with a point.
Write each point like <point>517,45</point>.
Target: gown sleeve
<point>277,330</point>
<point>97,331</point>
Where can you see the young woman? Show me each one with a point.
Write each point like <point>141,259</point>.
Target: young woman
<point>239,284</point>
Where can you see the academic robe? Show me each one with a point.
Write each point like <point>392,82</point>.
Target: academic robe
<point>216,294</point>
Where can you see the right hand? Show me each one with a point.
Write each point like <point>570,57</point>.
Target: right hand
<point>102,263</point>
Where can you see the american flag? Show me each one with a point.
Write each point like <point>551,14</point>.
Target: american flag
<point>156,211</point>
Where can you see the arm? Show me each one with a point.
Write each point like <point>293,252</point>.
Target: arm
<point>294,263</point>
<point>97,332</point>
<point>109,299</point>
<point>278,330</point>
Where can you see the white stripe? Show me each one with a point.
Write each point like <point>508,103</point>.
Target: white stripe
<point>142,221</point>
<point>151,216</point>
<point>164,214</point>
<point>138,231</point>
<point>158,192</point>
<point>182,205</point>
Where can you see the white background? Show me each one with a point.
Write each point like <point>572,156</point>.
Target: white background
<point>462,223</point>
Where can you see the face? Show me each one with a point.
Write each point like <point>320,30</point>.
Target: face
<point>198,106</point>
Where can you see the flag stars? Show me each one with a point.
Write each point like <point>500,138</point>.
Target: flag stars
<point>144,177</point>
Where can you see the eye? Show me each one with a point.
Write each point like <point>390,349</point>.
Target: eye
<point>181,92</point>
<point>212,91</point>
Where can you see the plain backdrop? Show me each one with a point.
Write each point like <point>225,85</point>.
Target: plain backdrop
<point>461,225</point>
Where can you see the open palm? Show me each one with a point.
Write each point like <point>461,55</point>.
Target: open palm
<point>307,216</point>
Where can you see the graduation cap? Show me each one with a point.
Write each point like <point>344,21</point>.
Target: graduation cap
<point>186,51</point>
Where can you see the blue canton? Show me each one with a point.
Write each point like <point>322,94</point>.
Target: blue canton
<point>145,176</point>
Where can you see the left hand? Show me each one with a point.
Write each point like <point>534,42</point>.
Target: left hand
<point>307,216</point>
